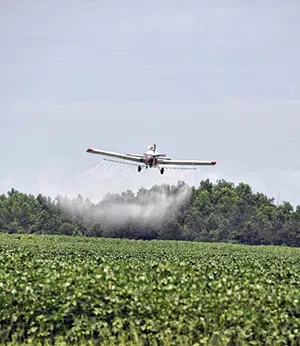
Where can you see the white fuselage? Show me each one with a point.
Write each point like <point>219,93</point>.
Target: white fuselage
<point>151,156</point>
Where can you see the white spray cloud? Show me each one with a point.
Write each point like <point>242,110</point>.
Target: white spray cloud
<point>118,194</point>
<point>147,207</point>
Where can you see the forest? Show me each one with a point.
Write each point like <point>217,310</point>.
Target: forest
<point>212,212</point>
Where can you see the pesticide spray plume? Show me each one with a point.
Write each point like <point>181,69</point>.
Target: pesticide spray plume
<point>144,199</point>
<point>148,207</point>
<point>115,200</point>
<point>116,196</point>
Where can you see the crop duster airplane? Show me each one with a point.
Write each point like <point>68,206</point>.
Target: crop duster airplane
<point>151,158</point>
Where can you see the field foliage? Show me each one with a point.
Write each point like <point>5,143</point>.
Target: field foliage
<point>57,289</point>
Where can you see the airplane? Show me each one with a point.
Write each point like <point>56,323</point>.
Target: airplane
<point>151,158</point>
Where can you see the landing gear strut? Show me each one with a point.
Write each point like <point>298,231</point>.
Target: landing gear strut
<point>139,168</point>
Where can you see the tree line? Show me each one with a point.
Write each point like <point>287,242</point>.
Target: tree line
<point>211,212</point>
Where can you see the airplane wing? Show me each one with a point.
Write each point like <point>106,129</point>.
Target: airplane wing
<point>116,155</point>
<point>187,162</point>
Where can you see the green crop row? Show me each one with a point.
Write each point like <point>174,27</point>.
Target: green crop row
<point>68,290</point>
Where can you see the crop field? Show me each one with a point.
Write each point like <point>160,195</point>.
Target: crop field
<point>75,290</point>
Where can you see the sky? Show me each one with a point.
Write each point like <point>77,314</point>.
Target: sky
<point>208,80</point>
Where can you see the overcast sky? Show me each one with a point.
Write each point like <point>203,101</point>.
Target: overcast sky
<point>202,79</point>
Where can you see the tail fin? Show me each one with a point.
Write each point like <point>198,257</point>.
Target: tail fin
<point>152,147</point>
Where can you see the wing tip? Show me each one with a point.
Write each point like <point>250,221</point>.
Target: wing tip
<point>214,163</point>
<point>89,150</point>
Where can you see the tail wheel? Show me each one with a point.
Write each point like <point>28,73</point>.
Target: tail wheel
<point>139,168</point>
<point>162,170</point>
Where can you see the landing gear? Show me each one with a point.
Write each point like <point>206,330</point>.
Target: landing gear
<point>139,168</point>
<point>162,170</point>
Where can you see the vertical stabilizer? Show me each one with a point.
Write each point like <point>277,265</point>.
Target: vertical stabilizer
<point>152,147</point>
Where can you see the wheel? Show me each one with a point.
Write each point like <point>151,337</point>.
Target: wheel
<point>162,170</point>
<point>139,168</point>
